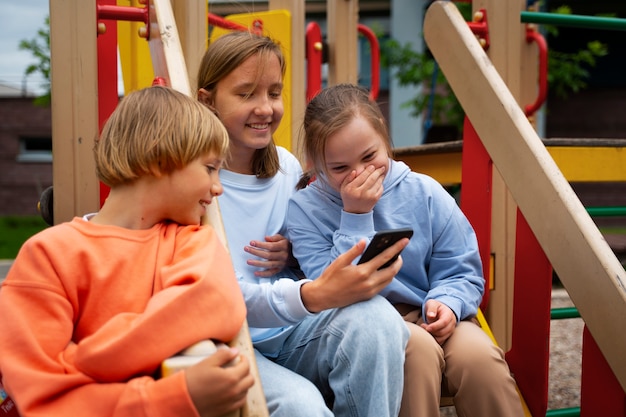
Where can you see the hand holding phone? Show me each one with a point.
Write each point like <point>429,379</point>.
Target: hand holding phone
<point>381,241</point>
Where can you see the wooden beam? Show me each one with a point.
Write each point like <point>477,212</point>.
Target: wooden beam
<point>193,29</point>
<point>74,84</point>
<point>342,31</point>
<point>592,275</point>
<point>505,54</point>
<point>169,63</point>
<point>166,50</point>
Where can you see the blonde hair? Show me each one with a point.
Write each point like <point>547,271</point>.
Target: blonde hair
<point>223,56</point>
<point>332,109</point>
<point>155,131</point>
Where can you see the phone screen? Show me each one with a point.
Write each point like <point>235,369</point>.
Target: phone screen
<point>381,241</point>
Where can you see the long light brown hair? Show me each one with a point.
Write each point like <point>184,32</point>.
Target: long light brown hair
<point>223,56</point>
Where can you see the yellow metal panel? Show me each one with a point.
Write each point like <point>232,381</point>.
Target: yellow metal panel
<point>135,60</point>
<point>444,167</point>
<point>586,164</point>
<point>485,326</point>
<point>276,25</point>
<point>577,163</point>
<point>297,65</point>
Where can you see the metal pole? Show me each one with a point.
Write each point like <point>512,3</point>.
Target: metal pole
<point>564,412</point>
<point>606,211</point>
<point>579,21</point>
<point>564,313</point>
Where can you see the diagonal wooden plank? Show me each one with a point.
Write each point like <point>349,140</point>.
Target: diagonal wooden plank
<point>592,275</point>
<point>169,63</point>
<point>165,47</point>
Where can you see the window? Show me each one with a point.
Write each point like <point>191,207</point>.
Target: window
<point>35,149</point>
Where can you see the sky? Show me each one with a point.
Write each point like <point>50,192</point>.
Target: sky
<point>20,19</point>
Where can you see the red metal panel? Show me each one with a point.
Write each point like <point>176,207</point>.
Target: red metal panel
<point>533,35</point>
<point>375,62</point>
<point>601,393</point>
<point>476,172</point>
<point>314,51</point>
<point>107,76</point>
<point>529,356</point>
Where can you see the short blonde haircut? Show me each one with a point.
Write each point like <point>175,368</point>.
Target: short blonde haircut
<point>155,131</point>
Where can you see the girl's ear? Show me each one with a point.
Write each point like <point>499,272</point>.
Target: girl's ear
<point>206,97</point>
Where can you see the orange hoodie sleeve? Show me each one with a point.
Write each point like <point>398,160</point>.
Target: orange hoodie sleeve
<point>86,322</point>
<point>193,300</point>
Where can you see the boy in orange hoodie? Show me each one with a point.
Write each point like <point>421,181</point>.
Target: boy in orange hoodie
<point>91,307</point>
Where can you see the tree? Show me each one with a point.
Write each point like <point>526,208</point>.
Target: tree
<point>40,48</point>
<point>567,73</point>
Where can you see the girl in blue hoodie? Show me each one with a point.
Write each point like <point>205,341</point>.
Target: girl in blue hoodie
<point>358,190</point>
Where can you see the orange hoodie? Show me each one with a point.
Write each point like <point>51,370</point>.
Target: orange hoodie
<point>89,312</point>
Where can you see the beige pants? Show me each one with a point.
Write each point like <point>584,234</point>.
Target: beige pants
<point>468,367</point>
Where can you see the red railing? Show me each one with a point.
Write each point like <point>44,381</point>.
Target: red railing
<point>314,56</point>
<point>533,36</point>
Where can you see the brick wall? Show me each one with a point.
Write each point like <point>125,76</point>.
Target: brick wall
<point>591,113</point>
<point>21,183</point>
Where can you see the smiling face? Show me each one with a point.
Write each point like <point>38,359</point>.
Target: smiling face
<point>186,192</point>
<point>249,103</point>
<point>354,147</point>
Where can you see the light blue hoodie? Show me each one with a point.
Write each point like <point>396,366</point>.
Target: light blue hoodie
<point>441,261</point>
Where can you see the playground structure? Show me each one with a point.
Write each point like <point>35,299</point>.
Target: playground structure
<point>548,210</point>
<point>527,217</point>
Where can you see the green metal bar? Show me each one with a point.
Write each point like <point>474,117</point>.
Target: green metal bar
<point>606,211</point>
<point>564,412</point>
<point>564,313</point>
<point>572,20</point>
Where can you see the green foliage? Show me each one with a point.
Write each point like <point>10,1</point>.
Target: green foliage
<point>567,73</point>
<point>40,48</point>
<point>418,69</point>
<point>15,230</point>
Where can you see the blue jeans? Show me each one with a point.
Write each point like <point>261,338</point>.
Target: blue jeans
<point>354,356</point>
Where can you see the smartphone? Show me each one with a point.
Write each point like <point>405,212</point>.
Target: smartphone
<point>381,241</point>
